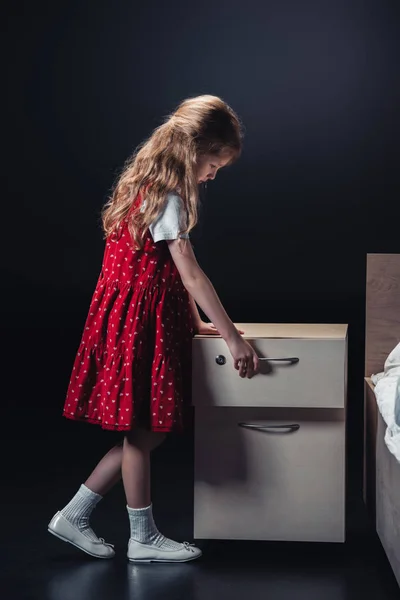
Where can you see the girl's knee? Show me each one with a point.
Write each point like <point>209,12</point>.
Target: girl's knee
<point>144,439</point>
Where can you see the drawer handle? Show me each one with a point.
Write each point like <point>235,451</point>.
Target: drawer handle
<point>292,359</point>
<point>221,359</point>
<point>272,428</point>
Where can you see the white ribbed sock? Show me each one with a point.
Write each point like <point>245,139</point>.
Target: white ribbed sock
<point>79,509</point>
<point>144,530</point>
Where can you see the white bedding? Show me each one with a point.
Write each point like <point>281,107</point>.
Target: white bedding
<point>387,392</point>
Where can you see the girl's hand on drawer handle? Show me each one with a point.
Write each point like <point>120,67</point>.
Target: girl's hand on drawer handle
<point>244,356</point>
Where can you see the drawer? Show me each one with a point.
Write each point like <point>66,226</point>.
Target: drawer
<point>316,378</point>
<point>284,481</point>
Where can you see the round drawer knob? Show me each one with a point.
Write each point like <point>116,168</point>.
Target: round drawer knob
<point>220,359</point>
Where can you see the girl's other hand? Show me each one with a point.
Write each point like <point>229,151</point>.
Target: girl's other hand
<point>203,328</point>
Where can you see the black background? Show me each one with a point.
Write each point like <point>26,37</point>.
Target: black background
<point>284,232</point>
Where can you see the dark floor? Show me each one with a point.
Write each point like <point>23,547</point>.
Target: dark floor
<point>37,566</point>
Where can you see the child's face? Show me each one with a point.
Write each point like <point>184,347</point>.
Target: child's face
<point>208,165</point>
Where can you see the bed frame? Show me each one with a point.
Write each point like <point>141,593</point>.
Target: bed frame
<point>381,489</point>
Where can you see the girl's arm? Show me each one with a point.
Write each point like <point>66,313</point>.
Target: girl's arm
<point>201,289</point>
<point>196,315</point>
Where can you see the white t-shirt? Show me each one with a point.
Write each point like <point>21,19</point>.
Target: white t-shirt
<point>171,220</point>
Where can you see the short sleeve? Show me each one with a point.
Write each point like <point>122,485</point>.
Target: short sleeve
<point>170,221</point>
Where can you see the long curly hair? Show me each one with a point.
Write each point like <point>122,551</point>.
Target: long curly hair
<point>167,162</point>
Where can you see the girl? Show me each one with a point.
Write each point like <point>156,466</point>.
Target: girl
<point>132,372</point>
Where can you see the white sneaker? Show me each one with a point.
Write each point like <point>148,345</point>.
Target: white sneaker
<point>138,552</point>
<point>63,529</point>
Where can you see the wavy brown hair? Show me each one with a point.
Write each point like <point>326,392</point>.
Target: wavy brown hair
<point>167,162</point>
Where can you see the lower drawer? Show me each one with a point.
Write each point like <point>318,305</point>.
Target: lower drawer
<point>280,476</point>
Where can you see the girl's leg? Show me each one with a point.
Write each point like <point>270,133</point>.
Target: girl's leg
<point>146,543</point>
<point>80,507</point>
<point>107,472</point>
<point>137,447</point>
<point>136,477</point>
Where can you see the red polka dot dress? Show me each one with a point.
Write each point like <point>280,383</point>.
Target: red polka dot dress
<point>133,365</point>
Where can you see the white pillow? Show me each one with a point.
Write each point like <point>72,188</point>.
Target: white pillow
<point>393,360</point>
<point>397,405</point>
